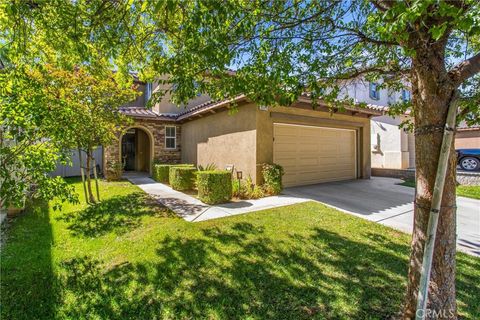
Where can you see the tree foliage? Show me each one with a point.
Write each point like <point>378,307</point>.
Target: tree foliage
<point>280,49</point>
<point>46,112</point>
<point>30,144</point>
<point>57,89</point>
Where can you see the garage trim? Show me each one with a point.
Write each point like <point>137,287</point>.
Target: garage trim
<point>286,118</point>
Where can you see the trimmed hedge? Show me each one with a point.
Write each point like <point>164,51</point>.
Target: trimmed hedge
<point>182,178</point>
<point>272,178</point>
<point>160,172</point>
<point>214,186</point>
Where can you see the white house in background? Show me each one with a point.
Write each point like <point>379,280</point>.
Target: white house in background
<point>391,146</point>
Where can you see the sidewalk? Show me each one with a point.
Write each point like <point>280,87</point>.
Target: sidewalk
<point>192,209</point>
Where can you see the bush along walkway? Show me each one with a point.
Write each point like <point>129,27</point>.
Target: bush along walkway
<point>192,209</point>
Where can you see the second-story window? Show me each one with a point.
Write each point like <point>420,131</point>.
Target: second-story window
<point>170,137</point>
<point>148,91</point>
<point>406,95</point>
<point>374,91</point>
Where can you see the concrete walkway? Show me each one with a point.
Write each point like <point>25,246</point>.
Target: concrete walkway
<point>192,209</point>
<point>384,201</point>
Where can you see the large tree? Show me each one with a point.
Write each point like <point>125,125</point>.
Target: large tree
<point>45,110</point>
<point>93,117</point>
<point>31,139</point>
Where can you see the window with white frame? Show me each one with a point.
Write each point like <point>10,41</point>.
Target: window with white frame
<point>406,95</point>
<point>148,91</point>
<point>170,137</point>
<point>374,91</point>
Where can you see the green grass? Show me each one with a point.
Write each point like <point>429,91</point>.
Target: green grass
<point>462,191</point>
<point>408,183</point>
<point>469,191</point>
<point>128,258</point>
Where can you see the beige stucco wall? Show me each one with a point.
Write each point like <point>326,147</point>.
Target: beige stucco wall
<point>165,105</point>
<point>223,139</point>
<point>140,100</point>
<point>467,139</point>
<point>392,147</point>
<point>294,115</point>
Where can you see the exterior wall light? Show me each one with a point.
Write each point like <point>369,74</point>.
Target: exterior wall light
<point>230,167</point>
<point>239,178</point>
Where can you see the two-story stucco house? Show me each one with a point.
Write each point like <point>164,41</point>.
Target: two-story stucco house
<point>313,146</point>
<point>391,146</point>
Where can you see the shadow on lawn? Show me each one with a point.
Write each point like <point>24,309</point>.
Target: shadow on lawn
<point>118,214</point>
<point>233,272</point>
<point>239,273</point>
<point>28,287</point>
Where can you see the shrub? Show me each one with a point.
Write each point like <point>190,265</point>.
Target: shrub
<point>208,167</point>
<point>272,177</point>
<point>114,170</point>
<point>160,172</point>
<point>182,178</point>
<point>247,190</point>
<point>238,189</point>
<point>214,186</point>
<point>255,191</point>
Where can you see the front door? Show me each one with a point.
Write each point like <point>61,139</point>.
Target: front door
<point>128,150</point>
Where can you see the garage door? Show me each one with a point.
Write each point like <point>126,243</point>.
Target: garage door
<point>314,154</point>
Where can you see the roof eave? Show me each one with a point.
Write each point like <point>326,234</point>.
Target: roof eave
<point>469,129</point>
<point>214,106</point>
<point>353,109</point>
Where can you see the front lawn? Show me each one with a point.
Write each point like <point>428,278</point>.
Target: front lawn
<point>469,191</point>
<point>462,191</point>
<point>128,258</point>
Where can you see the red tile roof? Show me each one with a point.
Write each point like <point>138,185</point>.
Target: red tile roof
<point>209,105</point>
<point>140,112</point>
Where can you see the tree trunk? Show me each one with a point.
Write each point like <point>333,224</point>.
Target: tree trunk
<point>432,93</point>
<point>91,197</point>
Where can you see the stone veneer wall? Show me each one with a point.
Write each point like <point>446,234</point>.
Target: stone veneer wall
<point>157,130</point>
<point>468,178</point>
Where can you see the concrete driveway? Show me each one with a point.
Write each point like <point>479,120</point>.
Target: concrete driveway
<point>384,201</point>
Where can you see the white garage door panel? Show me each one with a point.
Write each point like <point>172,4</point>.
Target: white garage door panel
<point>314,154</point>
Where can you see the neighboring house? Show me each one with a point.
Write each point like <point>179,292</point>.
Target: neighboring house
<point>313,146</point>
<point>467,137</point>
<point>73,170</point>
<point>392,146</point>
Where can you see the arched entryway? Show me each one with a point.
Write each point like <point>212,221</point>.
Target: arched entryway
<point>136,145</point>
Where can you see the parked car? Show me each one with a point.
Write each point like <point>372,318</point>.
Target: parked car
<point>468,159</point>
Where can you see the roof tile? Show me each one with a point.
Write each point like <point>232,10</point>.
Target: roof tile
<point>141,112</point>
